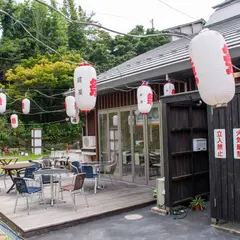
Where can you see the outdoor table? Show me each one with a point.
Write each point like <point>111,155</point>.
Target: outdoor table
<point>10,168</point>
<point>51,172</point>
<point>7,160</point>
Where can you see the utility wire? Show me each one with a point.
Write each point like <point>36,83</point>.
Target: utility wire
<point>164,33</point>
<point>176,9</point>
<point>39,41</point>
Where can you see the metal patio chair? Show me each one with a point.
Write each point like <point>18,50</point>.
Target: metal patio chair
<point>75,187</point>
<point>25,191</point>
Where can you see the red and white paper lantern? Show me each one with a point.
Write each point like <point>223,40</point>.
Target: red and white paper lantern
<point>70,105</point>
<point>25,106</point>
<point>212,68</point>
<point>14,120</point>
<point>144,98</point>
<point>85,85</point>
<point>3,102</point>
<point>169,89</point>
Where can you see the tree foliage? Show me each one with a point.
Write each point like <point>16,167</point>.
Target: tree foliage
<point>27,65</point>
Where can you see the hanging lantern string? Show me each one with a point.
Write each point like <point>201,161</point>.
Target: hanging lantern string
<point>37,113</point>
<point>34,124</point>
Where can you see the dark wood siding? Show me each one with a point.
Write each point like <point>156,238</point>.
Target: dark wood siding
<point>186,172</point>
<point>225,177</point>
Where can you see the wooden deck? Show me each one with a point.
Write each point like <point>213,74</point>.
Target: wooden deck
<point>110,200</point>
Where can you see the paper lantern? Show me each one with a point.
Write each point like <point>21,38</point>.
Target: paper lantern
<point>3,102</point>
<point>144,98</point>
<point>130,120</point>
<point>75,120</point>
<point>85,85</point>
<point>212,68</point>
<point>70,105</point>
<point>115,120</point>
<point>14,120</point>
<point>169,89</point>
<point>25,106</point>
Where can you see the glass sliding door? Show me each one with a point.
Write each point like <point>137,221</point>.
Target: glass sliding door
<point>154,146</point>
<point>114,141</point>
<point>126,146</point>
<point>103,138</point>
<point>138,141</point>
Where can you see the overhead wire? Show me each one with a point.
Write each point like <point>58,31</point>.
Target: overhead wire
<point>163,33</point>
<point>177,10</point>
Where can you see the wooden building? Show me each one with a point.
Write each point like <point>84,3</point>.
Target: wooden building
<point>162,145</point>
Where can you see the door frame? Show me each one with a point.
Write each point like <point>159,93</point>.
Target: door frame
<point>131,109</point>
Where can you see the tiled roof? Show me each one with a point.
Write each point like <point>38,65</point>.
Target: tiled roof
<point>168,54</point>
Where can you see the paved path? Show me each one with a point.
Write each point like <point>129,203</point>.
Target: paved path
<point>151,227</point>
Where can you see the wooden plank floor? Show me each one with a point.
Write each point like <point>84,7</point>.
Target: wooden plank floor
<point>109,199</point>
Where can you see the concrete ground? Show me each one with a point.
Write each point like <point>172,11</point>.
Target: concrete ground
<point>152,226</point>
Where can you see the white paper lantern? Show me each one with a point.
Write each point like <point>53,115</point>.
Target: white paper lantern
<point>212,68</point>
<point>115,120</point>
<point>3,102</point>
<point>144,98</point>
<point>70,105</point>
<point>75,120</point>
<point>25,106</point>
<point>169,89</point>
<point>14,120</point>
<point>85,85</point>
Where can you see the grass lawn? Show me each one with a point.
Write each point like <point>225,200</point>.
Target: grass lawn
<point>30,157</point>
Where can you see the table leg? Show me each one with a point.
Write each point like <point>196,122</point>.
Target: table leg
<point>52,192</point>
<point>13,185</point>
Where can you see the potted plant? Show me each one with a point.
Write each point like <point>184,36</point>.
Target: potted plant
<point>197,204</point>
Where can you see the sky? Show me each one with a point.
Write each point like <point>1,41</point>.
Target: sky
<point>124,15</point>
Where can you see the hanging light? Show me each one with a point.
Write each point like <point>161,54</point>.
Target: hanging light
<point>75,120</point>
<point>25,106</point>
<point>85,85</point>
<point>14,120</point>
<point>212,68</point>
<point>115,120</point>
<point>169,89</point>
<point>70,105</point>
<point>144,98</point>
<point>3,102</point>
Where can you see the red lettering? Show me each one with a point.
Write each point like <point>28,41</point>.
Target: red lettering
<point>238,153</point>
<point>194,71</point>
<point>93,87</point>
<point>220,147</point>
<point>219,140</point>
<point>1,102</point>
<point>227,59</point>
<point>219,134</point>
<point>238,147</point>
<point>220,154</point>
<point>149,98</point>
<point>238,139</point>
<point>13,121</point>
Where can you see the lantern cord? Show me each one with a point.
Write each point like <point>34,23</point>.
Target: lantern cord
<point>236,68</point>
<point>37,113</point>
<point>165,33</point>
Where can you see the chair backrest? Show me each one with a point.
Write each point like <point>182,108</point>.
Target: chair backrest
<point>88,170</point>
<point>79,181</point>
<point>28,172</point>
<point>112,168</point>
<point>46,162</point>
<point>21,185</point>
<point>76,167</point>
<point>46,179</point>
<point>36,164</point>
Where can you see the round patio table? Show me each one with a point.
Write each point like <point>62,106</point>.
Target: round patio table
<point>51,172</point>
<point>10,168</point>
